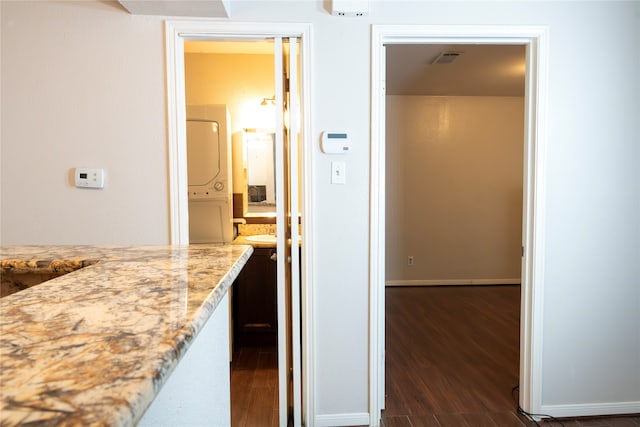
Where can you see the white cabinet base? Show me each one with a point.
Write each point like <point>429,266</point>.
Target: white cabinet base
<point>198,392</point>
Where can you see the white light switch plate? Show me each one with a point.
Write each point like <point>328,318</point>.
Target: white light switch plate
<point>338,173</point>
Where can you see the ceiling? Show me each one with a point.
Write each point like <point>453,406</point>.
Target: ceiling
<point>479,70</point>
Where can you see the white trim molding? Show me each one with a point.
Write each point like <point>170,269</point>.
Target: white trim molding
<point>335,420</point>
<point>176,132</point>
<point>535,39</point>
<point>591,409</point>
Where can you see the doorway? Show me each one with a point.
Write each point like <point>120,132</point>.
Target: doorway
<point>289,44</point>
<point>454,147</point>
<point>534,40</point>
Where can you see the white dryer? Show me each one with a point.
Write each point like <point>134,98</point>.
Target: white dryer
<point>209,174</point>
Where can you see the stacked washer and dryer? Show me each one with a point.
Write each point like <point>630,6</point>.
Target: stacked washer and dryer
<point>209,174</point>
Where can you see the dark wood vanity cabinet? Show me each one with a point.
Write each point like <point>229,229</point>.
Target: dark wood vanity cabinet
<point>255,311</point>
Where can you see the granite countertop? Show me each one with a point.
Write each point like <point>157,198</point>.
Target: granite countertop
<point>242,240</point>
<point>94,346</point>
<point>246,231</point>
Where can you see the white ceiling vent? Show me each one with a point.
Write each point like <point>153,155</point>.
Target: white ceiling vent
<point>446,57</point>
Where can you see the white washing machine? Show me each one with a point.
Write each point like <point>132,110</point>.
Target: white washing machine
<point>209,174</point>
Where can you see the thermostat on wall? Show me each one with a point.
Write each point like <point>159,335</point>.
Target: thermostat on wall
<point>335,143</point>
<point>89,178</point>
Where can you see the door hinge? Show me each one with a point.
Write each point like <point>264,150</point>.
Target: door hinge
<point>522,251</point>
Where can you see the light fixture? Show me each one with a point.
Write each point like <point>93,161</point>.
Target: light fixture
<point>268,101</point>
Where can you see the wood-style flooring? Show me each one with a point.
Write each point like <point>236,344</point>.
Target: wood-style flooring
<point>254,387</point>
<point>452,357</point>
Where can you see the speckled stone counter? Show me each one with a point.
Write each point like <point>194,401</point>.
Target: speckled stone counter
<point>242,240</point>
<point>94,346</point>
<point>247,230</point>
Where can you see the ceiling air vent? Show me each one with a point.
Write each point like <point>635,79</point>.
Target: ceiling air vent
<point>446,57</point>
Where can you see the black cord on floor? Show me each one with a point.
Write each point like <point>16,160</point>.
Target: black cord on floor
<point>527,414</point>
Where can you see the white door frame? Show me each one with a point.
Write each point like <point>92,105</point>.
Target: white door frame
<point>536,41</point>
<point>176,32</point>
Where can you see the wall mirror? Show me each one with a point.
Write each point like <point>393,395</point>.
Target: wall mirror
<point>259,147</point>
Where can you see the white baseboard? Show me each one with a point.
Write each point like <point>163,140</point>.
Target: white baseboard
<point>334,420</point>
<point>449,282</point>
<point>591,409</point>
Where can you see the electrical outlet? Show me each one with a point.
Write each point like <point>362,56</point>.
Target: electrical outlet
<point>410,260</point>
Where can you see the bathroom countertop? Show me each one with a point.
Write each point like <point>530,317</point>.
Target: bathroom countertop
<point>93,347</point>
<point>242,240</point>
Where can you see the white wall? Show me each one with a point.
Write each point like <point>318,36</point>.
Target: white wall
<point>454,189</point>
<point>239,80</point>
<point>83,84</point>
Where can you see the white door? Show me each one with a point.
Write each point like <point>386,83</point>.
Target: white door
<point>287,214</point>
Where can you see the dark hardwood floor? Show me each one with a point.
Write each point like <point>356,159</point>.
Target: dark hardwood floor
<point>254,387</point>
<point>452,361</point>
<point>452,357</point>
